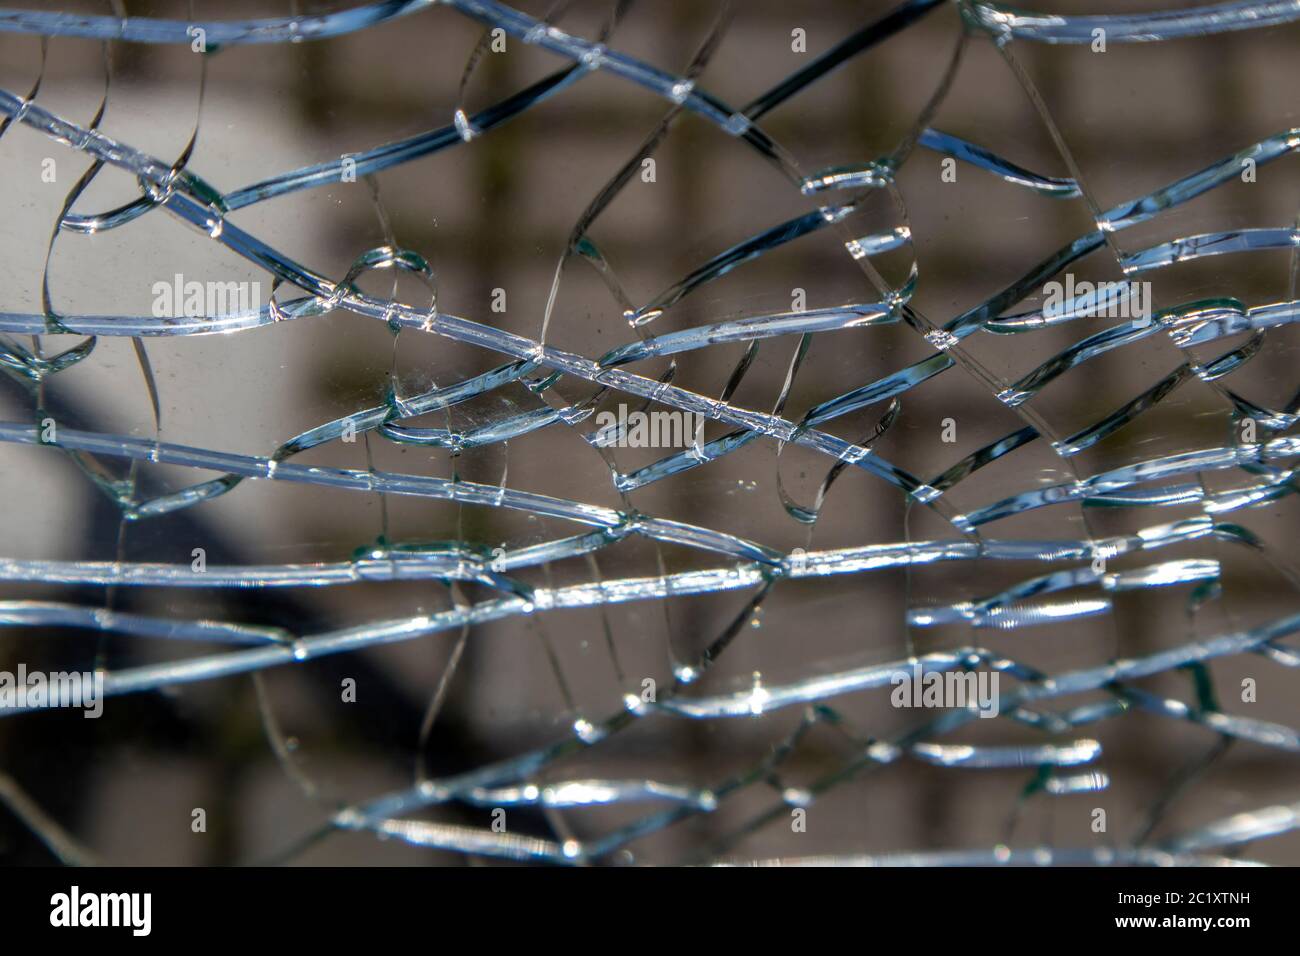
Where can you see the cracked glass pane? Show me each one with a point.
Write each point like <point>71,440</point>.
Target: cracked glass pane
<point>627,433</point>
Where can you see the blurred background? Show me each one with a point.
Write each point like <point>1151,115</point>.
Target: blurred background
<point>271,760</point>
